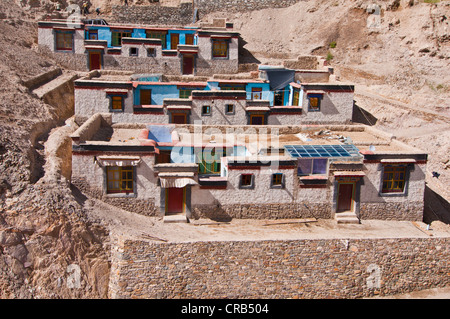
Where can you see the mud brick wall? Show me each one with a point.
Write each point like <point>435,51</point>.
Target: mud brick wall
<point>322,268</point>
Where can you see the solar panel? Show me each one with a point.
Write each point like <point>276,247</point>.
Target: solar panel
<point>305,151</point>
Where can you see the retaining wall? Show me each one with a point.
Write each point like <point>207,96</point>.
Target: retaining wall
<point>325,268</point>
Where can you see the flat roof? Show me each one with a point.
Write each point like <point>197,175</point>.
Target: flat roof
<point>255,138</point>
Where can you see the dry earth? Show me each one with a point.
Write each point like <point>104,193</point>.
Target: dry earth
<point>401,72</point>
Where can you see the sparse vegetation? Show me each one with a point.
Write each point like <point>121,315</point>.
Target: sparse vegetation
<point>329,56</point>
<point>333,44</point>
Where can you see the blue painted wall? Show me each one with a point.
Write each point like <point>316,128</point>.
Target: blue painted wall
<point>159,93</point>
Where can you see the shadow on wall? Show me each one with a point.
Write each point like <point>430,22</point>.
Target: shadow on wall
<point>245,56</point>
<point>435,208</point>
<point>360,115</point>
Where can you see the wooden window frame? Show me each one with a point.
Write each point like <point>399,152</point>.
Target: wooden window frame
<point>315,97</point>
<point>116,37</point>
<point>122,188</point>
<point>247,181</point>
<point>151,52</point>
<point>220,49</point>
<point>136,53</point>
<point>277,180</point>
<point>150,34</point>
<point>296,97</point>
<point>66,43</point>
<point>389,182</point>
<point>185,93</point>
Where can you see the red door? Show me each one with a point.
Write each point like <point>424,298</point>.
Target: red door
<point>94,61</point>
<point>174,200</point>
<point>179,119</point>
<point>188,64</point>
<point>345,197</point>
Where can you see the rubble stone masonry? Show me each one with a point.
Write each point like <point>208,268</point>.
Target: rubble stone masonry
<point>320,268</point>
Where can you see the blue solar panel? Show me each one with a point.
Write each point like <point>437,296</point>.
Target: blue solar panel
<point>305,151</point>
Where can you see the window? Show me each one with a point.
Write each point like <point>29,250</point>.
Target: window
<point>206,110</point>
<point>134,51</point>
<point>232,87</point>
<point>116,37</point>
<point>157,35</point>
<point>64,40</point>
<point>145,97</point>
<point>314,102</point>
<point>151,52</point>
<point>189,39</point>
<point>119,179</point>
<point>185,93</point>
<point>256,93</point>
<point>295,98</point>
<point>116,103</point>
<point>308,166</point>
<point>246,181</point>
<point>209,161</point>
<point>229,109</point>
<point>220,49</point>
<point>277,180</point>
<point>278,98</point>
<point>394,178</point>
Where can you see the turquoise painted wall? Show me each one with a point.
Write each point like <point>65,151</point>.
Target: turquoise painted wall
<point>159,93</point>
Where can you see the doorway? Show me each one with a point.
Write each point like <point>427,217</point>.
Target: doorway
<point>179,118</point>
<point>188,64</point>
<point>95,61</point>
<point>256,119</point>
<point>345,197</point>
<point>175,200</point>
<point>174,40</point>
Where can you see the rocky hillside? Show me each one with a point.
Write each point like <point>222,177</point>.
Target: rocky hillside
<point>43,229</point>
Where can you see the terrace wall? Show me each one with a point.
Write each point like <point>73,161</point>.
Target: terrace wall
<point>324,268</point>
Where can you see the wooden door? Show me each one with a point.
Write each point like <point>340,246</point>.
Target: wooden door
<point>188,64</point>
<point>256,119</point>
<point>179,118</point>
<point>174,40</point>
<point>189,39</point>
<point>174,200</point>
<point>95,61</point>
<point>345,197</point>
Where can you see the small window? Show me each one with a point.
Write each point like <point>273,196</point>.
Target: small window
<point>229,109</point>
<point>185,93</point>
<point>394,178</point>
<point>206,110</point>
<point>277,180</point>
<point>134,51</point>
<point>116,103</point>
<point>246,181</point>
<point>119,179</point>
<point>151,52</point>
<point>220,49</point>
<point>145,97</point>
<point>314,103</point>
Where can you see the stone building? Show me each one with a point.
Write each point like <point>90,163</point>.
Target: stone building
<point>82,45</point>
<point>253,101</point>
<point>347,172</point>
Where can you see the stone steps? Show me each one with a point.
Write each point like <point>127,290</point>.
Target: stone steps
<point>346,218</point>
<point>175,218</point>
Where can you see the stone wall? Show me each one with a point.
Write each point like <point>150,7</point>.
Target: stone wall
<point>153,14</point>
<point>323,268</point>
<point>208,6</point>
